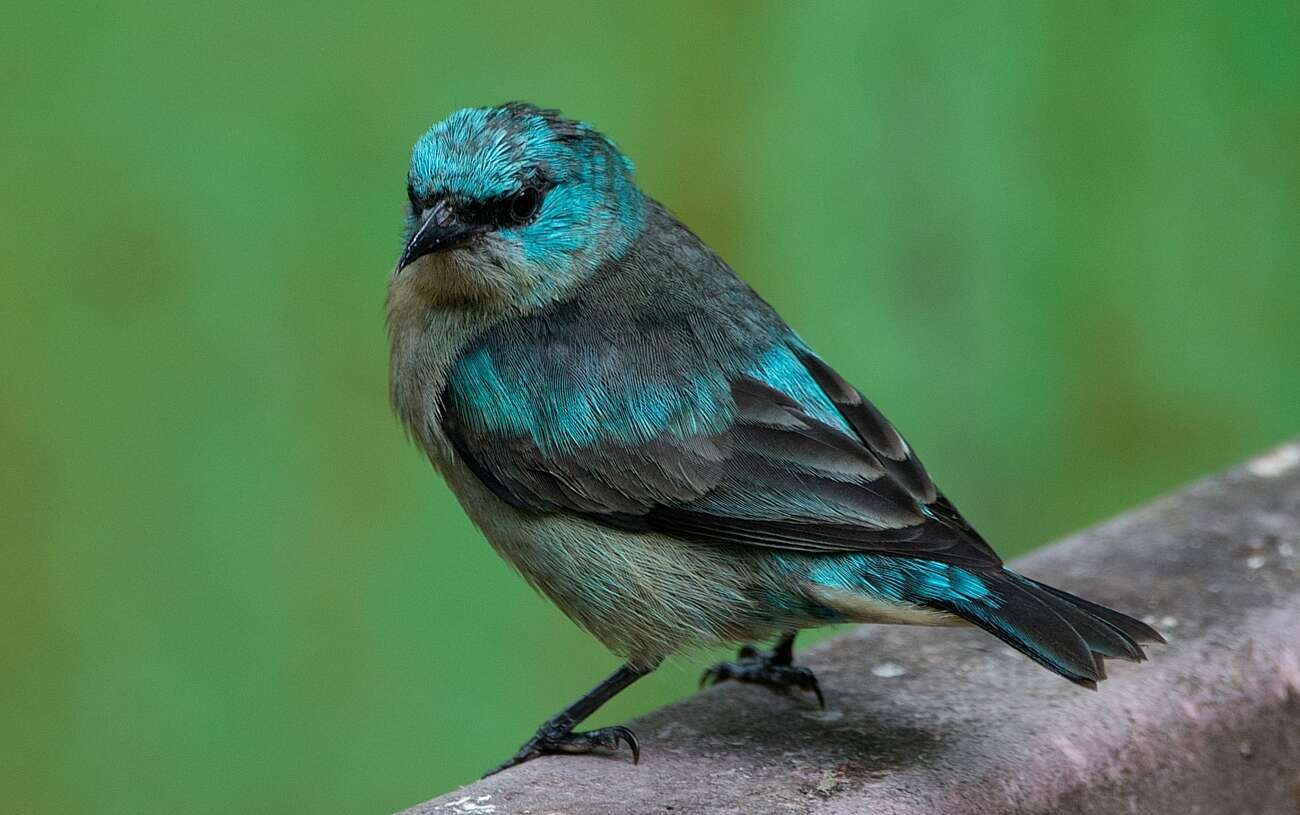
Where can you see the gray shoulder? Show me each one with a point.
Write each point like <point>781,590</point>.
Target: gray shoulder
<point>669,291</point>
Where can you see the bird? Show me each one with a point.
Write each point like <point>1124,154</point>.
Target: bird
<point>649,444</point>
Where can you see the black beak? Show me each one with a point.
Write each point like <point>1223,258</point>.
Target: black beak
<point>439,230</point>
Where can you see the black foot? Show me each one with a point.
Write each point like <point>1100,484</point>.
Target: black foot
<point>770,668</point>
<point>550,742</point>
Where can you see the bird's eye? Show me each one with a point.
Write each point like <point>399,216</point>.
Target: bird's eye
<point>524,205</point>
<point>416,206</point>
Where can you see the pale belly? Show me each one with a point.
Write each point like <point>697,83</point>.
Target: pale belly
<point>646,596</point>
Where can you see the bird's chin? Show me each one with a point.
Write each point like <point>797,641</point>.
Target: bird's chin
<point>463,276</point>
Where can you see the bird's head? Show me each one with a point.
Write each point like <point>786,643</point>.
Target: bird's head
<point>512,206</point>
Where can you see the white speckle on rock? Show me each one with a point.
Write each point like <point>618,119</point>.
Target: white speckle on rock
<point>477,805</point>
<point>675,728</point>
<point>1277,462</point>
<point>1168,622</point>
<point>888,670</point>
<point>1289,668</point>
<point>1285,549</point>
<point>829,782</point>
<point>1256,562</point>
<point>1072,753</point>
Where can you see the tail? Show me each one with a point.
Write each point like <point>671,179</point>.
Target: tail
<point>1065,634</point>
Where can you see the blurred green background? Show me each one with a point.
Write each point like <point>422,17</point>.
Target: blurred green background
<point>1057,243</point>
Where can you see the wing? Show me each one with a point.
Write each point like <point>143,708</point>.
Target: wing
<point>776,452</point>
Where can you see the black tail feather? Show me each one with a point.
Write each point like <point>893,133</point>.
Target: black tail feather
<point>1101,636</point>
<point>1065,634</point>
<point>1137,630</point>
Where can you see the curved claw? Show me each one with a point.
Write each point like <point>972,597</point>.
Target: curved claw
<point>814,686</point>
<point>518,758</point>
<point>717,673</point>
<point>704,678</point>
<point>551,743</point>
<point>625,735</point>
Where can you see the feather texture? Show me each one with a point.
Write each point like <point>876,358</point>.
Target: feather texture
<point>645,439</point>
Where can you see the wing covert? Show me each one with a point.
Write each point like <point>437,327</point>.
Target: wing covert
<point>781,453</point>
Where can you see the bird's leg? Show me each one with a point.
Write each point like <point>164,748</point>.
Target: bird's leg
<point>557,735</point>
<point>775,669</point>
